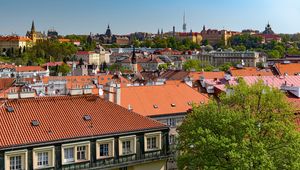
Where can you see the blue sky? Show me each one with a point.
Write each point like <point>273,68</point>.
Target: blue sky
<point>125,16</point>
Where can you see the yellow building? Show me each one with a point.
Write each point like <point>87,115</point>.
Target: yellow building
<point>194,36</point>
<point>14,42</point>
<point>34,35</point>
<point>215,37</point>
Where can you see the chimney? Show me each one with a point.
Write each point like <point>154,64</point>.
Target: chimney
<point>118,94</point>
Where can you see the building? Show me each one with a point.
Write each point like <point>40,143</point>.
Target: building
<point>34,35</point>
<point>91,57</point>
<point>287,69</point>
<point>250,31</point>
<point>215,37</point>
<point>268,35</point>
<point>244,58</point>
<point>167,103</point>
<point>193,36</point>
<point>249,71</point>
<point>58,133</point>
<point>120,40</point>
<point>14,43</point>
<point>52,33</point>
<point>13,71</point>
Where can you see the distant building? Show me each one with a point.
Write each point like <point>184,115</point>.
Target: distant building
<point>244,58</point>
<point>91,57</point>
<point>215,37</point>
<point>52,33</point>
<point>250,31</point>
<point>35,35</point>
<point>14,42</point>
<point>268,35</point>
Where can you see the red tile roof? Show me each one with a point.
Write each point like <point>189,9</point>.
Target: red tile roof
<point>62,118</point>
<point>29,68</point>
<point>143,98</point>
<point>250,71</point>
<point>6,83</point>
<point>207,75</point>
<point>85,52</point>
<point>290,69</point>
<point>14,38</point>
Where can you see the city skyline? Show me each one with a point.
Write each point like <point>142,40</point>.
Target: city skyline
<point>78,17</point>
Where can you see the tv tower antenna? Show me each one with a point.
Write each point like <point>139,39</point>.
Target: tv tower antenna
<point>184,24</point>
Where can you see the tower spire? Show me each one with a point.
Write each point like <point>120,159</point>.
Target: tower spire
<point>32,26</point>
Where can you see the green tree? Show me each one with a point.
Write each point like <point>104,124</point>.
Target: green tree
<point>274,54</point>
<point>64,69</point>
<point>163,67</point>
<point>252,127</point>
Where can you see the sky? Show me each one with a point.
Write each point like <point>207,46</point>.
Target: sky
<point>127,16</point>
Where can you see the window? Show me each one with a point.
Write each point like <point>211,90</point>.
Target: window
<point>151,143</point>
<point>171,122</point>
<point>126,149</point>
<point>42,159</point>
<point>104,149</point>
<point>81,152</point>
<point>15,163</point>
<point>172,139</point>
<point>127,145</point>
<point>69,155</point>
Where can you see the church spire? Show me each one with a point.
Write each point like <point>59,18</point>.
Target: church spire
<point>133,58</point>
<point>32,26</point>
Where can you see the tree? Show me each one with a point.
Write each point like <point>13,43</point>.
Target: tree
<point>274,54</point>
<point>252,127</point>
<point>197,65</point>
<point>64,69</point>
<point>163,67</point>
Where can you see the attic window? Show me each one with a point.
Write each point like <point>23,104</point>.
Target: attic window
<point>173,105</point>
<point>87,117</point>
<point>155,106</point>
<point>10,109</point>
<point>35,123</point>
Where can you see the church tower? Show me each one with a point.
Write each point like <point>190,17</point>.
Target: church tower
<point>33,32</point>
<point>184,24</point>
<point>134,62</point>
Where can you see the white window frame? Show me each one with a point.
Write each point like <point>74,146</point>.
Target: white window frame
<point>172,122</point>
<point>132,140</point>
<point>22,153</point>
<point>69,160</point>
<point>51,156</point>
<point>158,137</point>
<point>16,161</point>
<point>111,147</point>
<point>75,147</point>
<point>81,151</point>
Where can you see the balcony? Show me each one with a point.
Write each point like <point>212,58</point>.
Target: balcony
<point>122,161</point>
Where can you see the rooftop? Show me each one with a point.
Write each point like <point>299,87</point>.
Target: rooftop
<point>289,69</point>
<point>250,71</point>
<point>159,100</point>
<point>61,118</point>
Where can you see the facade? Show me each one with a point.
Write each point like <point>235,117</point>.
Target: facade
<point>58,133</point>
<point>268,35</point>
<point>244,58</point>
<point>91,57</point>
<point>167,103</point>
<point>14,42</point>
<point>7,71</point>
<point>215,37</point>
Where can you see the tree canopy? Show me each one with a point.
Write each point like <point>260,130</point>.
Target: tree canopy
<point>252,127</point>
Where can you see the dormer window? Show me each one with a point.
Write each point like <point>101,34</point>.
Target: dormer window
<point>173,105</point>
<point>155,106</point>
